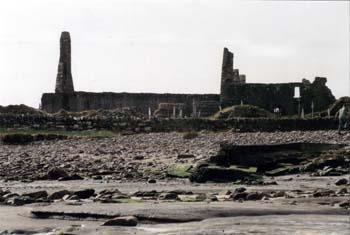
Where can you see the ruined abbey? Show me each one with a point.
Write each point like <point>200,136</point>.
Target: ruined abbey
<point>234,91</point>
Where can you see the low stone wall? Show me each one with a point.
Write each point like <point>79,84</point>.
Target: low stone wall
<point>154,125</point>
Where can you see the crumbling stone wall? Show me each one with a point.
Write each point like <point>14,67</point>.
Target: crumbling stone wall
<point>270,96</point>
<point>229,75</point>
<point>234,90</point>
<point>317,93</point>
<point>80,101</point>
<point>65,97</point>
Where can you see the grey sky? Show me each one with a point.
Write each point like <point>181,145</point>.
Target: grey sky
<point>169,46</point>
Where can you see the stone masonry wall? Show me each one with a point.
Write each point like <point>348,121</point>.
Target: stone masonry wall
<point>270,96</point>
<point>79,101</point>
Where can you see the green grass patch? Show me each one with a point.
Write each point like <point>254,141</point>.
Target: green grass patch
<point>180,171</point>
<point>245,169</point>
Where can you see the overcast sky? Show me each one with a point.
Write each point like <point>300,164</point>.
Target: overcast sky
<point>169,45</point>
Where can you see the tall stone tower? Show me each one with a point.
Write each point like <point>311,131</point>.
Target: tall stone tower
<point>64,80</point>
<point>227,65</point>
<point>229,75</point>
<point>227,61</point>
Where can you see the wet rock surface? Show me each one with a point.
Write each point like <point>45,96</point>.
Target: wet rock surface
<point>174,203</point>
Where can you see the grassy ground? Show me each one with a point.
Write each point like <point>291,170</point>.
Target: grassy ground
<point>84,133</point>
<point>180,171</point>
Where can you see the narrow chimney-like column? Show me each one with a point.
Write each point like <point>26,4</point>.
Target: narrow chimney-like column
<point>227,60</point>
<point>64,80</point>
<point>227,68</point>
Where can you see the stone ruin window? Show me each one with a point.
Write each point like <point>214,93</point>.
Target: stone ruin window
<point>297,92</point>
<point>298,98</point>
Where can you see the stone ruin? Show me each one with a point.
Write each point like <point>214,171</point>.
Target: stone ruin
<point>229,75</point>
<point>234,91</point>
<point>64,80</point>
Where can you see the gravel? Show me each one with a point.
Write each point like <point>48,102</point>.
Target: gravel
<point>140,156</point>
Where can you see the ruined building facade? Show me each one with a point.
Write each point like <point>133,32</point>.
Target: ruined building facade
<point>234,91</point>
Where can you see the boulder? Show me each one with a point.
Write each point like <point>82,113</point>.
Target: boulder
<point>59,194</point>
<point>85,193</point>
<point>168,196</point>
<point>36,195</point>
<point>345,204</point>
<point>342,191</point>
<point>254,196</point>
<point>56,173</point>
<point>239,196</point>
<point>240,190</point>
<point>19,201</point>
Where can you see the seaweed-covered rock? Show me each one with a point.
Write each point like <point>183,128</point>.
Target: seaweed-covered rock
<point>220,174</point>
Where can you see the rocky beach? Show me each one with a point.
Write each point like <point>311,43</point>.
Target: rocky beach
<point>140,184</point>
<point>136,157</point>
